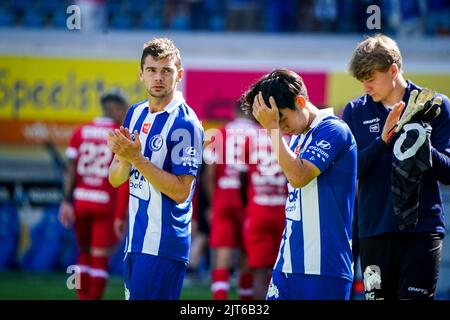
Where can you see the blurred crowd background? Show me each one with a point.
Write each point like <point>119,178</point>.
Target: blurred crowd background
<point>430,17</point>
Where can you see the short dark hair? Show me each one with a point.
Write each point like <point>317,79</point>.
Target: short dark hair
<point>282,84</point>
<point>160,48</point>
<point>113,95</point>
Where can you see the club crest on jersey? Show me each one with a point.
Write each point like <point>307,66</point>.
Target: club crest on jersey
<point>374,127</point>
<point>146,127</point>
<point>156,142</point>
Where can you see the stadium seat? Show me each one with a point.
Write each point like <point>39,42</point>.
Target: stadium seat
<point>7,18</point>
<point>180,23</point>
<point>121,21</point>
<point>69,251</point>
<point>152,16</point>
<point>33,19</point>
<point>217,23</point>
<point>41,238</point>
<point>59,19</point>
<point>116,264</point>
<point>9,235</point>
<point>151,22</point>
<point>21,6</point>
<point>113,7</point>
<point>138,6</point>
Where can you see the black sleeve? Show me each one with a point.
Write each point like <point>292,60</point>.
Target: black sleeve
<point>243,177</point>
<point>441,166</point>
<point>440,141</point>
<point>368,155</point>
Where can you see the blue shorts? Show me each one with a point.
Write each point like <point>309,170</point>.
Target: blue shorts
<point>149,277</point>
<point>297,286</point>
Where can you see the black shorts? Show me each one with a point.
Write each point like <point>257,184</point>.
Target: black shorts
<point>400,265</point>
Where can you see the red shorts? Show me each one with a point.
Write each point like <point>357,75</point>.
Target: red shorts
<point>227,227</point>
<point>94,225</point>
<point>263,231</point>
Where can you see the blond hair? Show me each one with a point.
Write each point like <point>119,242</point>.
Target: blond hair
<point>160,48</point>
<point>376,53</point>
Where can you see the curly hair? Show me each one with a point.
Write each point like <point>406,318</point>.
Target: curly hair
<point>376,53</point>
<point>160,48</point>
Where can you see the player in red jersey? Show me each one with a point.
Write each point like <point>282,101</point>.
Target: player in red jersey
<point>91,205</point>
<point>222,179</point>
<point>265,185</point>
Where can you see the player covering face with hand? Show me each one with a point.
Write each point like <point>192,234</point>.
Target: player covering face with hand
<point>314,259</point>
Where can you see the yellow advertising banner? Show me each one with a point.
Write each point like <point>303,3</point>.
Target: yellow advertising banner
<point>41,98</point>
<point>57,89</point>
<point>342,87</point>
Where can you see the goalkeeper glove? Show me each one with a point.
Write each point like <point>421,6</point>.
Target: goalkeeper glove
<point>421,107</point>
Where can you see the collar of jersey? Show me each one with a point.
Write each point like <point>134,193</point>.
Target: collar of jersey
<point>322,114</point>
<point>174,103</point>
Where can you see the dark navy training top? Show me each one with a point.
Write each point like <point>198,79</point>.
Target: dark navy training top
<point>366,119</point>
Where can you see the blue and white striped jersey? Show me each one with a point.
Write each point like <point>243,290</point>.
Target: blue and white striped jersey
<point>172,140</point>
<point>317,236</point>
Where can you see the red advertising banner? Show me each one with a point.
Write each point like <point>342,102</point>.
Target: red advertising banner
<point>213,93</point>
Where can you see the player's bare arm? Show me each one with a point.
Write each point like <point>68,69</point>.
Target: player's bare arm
<point>175,187</point>
<point>119,170</point>
<point>299,172</point>
<point>208,180</point>
<point>66,210</point>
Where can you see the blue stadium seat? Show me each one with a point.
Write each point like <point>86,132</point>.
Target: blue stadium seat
<point>44,234</point>
<point>116,263</point>
<point>216,11</point>
<point>152,17</point>
<point>180,23</point>
<point>113,7</point>
<point>138,6</point>
<point>33,19</point>
<point>7,18</point>
<point>59,20</point>
<point>217,23</point>
<point>69,249</point>
<point>9,235</point>
<point>153,23</point>
<point>23,5</point>
<point>121,21</point>
<point>53,7</point>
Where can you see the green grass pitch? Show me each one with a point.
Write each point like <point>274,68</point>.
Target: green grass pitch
<point>18,285</point>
